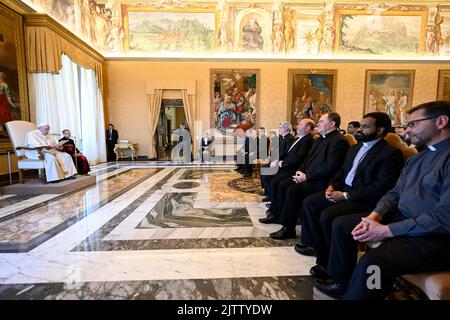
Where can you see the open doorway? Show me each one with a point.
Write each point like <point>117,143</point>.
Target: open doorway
<point>170,117</point>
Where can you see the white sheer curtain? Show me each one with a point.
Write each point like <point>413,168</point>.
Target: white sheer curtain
<point>57,100</point>
<point>92,122</point>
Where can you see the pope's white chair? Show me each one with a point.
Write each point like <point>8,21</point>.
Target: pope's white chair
<point>17,131</point>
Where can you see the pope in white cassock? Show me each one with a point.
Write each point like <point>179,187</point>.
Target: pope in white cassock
<point>58,165</point>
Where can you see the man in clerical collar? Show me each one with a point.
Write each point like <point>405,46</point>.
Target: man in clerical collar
<point>410,225</point>
<point>371,168</point>
<point>324,159</point>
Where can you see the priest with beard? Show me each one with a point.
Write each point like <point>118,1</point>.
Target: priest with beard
<point>370,169</point>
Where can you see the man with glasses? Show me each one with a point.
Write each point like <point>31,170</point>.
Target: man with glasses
<point>412,221</point>
<point>370,169</point>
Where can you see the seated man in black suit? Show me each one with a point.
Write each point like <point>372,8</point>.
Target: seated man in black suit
<point>288,163</point>
<point>325,158</point>
<point>415,219</point>
<point>370,169</point>
<point>242,153</point>
<point>285,139</point>
<point>263,145</point>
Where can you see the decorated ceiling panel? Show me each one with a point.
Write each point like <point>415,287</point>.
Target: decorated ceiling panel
<point>260,29</point>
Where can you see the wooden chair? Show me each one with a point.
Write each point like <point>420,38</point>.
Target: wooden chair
<point>351,139</point>
<point>396,142</point>
<point>17,131</point>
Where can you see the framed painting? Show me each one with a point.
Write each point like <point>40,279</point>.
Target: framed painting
<point>443,92</point>
<point>234,99</point>
<point>374,31</point>
<point>311,93</point>
<point>189,30</point>
<point>13,85</point>
<point>389,91</point>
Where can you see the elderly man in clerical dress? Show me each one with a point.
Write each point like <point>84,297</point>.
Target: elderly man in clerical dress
<point>58,165</point>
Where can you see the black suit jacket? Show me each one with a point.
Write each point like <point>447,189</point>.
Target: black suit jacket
<point>294,158</point>
<point>325,158</point>
<point>376,174</point>
<point>207,143</point>
<point>114,135</point>
<point>244,150</point>
<point>263,147</point>
<point>283,146</point>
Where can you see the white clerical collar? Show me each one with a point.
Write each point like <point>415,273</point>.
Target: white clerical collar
<point>432,148</point>
<point>325,135</point>
<point>370,144</point>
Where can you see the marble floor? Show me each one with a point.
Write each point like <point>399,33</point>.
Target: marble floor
<point>148,230</point>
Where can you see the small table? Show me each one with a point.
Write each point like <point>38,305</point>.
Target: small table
<point>120,147</point>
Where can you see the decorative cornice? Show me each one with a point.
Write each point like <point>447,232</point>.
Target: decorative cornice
<point>18,6</point>
<point>44,20</point>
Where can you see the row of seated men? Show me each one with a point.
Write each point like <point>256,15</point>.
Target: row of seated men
<point>258,148</point>
<point>345,196</point>
<point>63,160</point>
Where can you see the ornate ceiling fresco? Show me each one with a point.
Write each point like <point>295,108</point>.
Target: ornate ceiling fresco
<point>261,29</point>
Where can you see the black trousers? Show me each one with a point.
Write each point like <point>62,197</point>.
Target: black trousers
<point>317,218</point>
<point>270,183</point>
<point>294,199</point>
<point>110,154</point>
<point>278,195</point>
<point>394,257</point>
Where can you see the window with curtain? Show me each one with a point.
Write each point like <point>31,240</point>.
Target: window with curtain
<point>72,100</point>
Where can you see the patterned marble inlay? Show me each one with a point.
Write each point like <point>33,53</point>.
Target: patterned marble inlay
<point>162,244</point>
<point>259,288</point>
<point>186,185</point>
<point>251,186</point>
<point>198,174</point>
<point>222,192</point>
<point>27,226</point>
<point>13,199</point>
<point>176,210</point>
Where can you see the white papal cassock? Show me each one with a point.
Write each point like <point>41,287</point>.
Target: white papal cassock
<point>58,165</point>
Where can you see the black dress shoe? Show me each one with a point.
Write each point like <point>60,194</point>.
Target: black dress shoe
<point>282,234</point>
<point>269,219</point>
<point>333,289</point>
<point>305,250</point>
<point>266,199</point>
<point>319,272</point>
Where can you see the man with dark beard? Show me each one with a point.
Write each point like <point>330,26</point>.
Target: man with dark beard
<point>370,169</point>
<point>411,222</point>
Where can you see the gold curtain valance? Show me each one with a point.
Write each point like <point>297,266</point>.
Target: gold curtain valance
<point>45,43</point>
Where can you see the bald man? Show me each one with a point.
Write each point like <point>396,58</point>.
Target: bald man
<point>58,165</point>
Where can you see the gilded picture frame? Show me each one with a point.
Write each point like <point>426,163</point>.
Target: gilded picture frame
<point>13,78</point>
<point>311,92</point>
<point>235,98</point>
<point>389,91</point>
<point>443,91</point>
<point>176,30</point>
<point>408,26</point>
